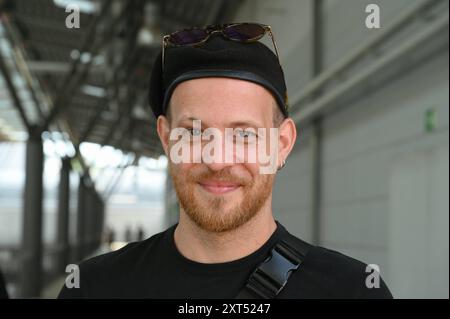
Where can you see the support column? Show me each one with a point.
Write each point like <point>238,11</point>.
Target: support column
<point>63,216</point>
<point>97,221</point>
<point>32,270</point>
<point>101,219</point>
<point>90,220</point>
<point>81,221</point>
<point>316,138</point>
<point>316,187</point>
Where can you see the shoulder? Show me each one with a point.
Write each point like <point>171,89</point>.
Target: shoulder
<point>335,275</point>
<point>325,273</point>
<point>124,257</point>
<point>334,262</point>
<point>110,268</point>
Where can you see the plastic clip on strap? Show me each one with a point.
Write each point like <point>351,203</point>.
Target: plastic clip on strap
<point>271,276</point>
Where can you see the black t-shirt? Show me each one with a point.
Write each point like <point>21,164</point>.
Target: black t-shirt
<point>154,268</point>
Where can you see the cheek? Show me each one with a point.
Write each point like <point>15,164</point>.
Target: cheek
<point>251,170</point>
<point>180,170</point>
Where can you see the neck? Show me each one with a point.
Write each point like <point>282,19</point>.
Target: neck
<point>204,246</point>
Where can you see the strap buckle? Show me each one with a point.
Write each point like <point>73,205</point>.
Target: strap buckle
<point>272,275</point>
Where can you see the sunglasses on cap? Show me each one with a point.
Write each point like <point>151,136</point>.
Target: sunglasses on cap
<point>239,32</point>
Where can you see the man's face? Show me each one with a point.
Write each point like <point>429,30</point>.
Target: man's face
<point>221,196</point>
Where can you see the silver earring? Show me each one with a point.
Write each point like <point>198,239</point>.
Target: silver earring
<point>283,164</point>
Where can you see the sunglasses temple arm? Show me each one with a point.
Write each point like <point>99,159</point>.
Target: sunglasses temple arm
<point>274,44</point>
<point>163,45</point>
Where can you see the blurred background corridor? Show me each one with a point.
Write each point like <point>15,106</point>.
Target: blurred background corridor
<point>82,170</point>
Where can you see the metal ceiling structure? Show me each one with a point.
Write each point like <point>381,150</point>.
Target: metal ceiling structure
<point>96,76</point>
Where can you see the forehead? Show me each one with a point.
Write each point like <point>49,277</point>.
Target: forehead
<point>222,100</point>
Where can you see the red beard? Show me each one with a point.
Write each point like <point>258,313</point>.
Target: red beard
<point>210,212</point>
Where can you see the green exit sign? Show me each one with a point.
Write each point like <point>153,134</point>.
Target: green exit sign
<point>430,120</point>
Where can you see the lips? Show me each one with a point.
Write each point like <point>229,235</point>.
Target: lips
<point>219,187</point>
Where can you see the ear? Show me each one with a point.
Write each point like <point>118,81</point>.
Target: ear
<point>287,138</point>
<point>163,129</point>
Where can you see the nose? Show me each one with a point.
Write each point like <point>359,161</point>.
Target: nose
<point>226,158</point>
<point>218,166</point>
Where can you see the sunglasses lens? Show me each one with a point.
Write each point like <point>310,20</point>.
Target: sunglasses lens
<point>244,32</point>
<point>186,37</point>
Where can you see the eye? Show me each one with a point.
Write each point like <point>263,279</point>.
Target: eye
<point>245,134</point>
<point>194,132</point>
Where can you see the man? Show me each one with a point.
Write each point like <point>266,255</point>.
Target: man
<point>218,79</point>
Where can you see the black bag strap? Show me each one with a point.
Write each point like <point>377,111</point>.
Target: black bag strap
<point>270,277</point>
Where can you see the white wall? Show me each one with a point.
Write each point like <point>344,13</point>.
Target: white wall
<point>291,24</point>
<point>292,193</point>
<point>418,222</point>
<point>361,145</point>
<point>344,24</point>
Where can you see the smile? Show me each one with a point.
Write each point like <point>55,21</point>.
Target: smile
<point>218,187</point>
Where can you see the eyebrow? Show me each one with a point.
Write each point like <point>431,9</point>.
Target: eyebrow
<point>190,118</point>
<point>245,123</point>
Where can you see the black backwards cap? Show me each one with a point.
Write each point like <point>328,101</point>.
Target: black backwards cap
<point>218,57</point>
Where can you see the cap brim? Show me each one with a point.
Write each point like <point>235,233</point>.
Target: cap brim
<point>235,74</point>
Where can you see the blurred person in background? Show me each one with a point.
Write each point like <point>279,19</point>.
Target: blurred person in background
<point>140,233</point>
